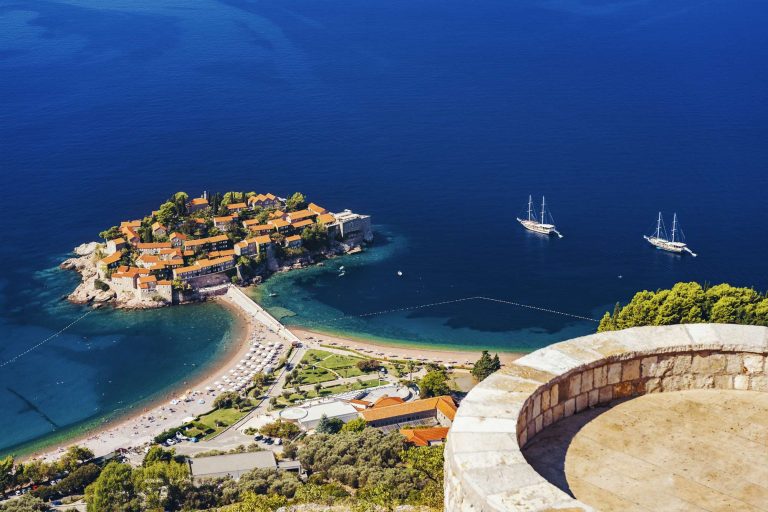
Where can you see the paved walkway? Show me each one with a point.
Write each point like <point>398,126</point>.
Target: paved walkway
<point>690,451</point>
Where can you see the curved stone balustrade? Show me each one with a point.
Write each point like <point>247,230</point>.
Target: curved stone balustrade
<point>485,469</point>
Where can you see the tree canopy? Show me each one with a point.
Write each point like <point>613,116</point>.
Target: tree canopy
<point>434,383</point>
<point>328,425</point>
<point>296,202</point>
<point>485,366</point>
<point>689,303</point>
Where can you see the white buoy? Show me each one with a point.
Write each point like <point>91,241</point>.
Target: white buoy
<point>399,272</point>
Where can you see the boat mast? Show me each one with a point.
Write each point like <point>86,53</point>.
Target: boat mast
<point>674,225</point>
<point>542,209</point>
<point>530,206</point>
<point>658,227</point>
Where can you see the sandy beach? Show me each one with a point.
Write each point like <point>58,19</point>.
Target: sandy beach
<point>141,427</point>
<point>381,350</point>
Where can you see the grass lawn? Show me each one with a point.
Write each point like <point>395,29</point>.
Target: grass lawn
<point>332,390</point>
<point>343,365</point>
<point>225,417</point>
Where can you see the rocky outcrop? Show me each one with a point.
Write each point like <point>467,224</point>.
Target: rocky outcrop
<point>86,248</point>
<point>89,292</point>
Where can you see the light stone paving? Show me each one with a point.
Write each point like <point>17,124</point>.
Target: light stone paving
<point>639,456</point>
<point>484,466</point>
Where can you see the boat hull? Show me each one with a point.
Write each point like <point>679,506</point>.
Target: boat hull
<point>665,245</point>
<point>537,227</point>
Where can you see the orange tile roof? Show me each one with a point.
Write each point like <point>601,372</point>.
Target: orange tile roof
<point>293,238</point>
<point>263,239</point>
<point>261,197</point>
<point>226,218</point>
<point>130,224</point>
<point>444,404</point>
<point>386,401</point>
<point>177,235</point>
<point>279,223</point>
<point>148,258</point>
<point>120,240</point>
<point>164,282</point>
<point>221,254</point>
<point>199,200</point>
<point>277,214</point>
<point>199,221</point>
<point>112,258</point>
<point>254,226</point>
<point>326,218</point>
<point>235,206</point>
<point>153,245</point>
<point>425,436</point>
<point>203,241</point>
<point>316,208</point>
<point>129,232</point>
<point>204,264</point>
<point>157,226</point>
<point>302,223</point>
<point>148,279</point>
<point>301,214</point>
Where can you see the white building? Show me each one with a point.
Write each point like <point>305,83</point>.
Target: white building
<point>307,417</point>
<point>351,224</point>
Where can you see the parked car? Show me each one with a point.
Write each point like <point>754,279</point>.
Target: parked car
<point>278,441</point>
<point>258,437</point>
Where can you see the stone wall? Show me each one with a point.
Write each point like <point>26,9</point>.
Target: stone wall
<point>485,469</point>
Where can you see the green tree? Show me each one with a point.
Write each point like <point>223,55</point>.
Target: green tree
<point>434,383</point>
<point>296,202</point>
<point>167,214</point>
<point>74,456</point>
<point>113,490</point>
<point>485,366</point>
<point>26,503</point>
<point>368,365</point>
<point>355,425</point>
<point>314,237</point>
<point>157,454</point>
<point>111,233</point>
<point>323,494</point>
<point>6,473</point>
<point>328,425</point>
<point>230,399</point>
<point>160,484</point>
<point>257,503</point>
<point>689,303</point>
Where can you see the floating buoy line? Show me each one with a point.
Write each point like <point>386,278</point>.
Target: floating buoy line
<point>46,340</point>
<point>465,299</point>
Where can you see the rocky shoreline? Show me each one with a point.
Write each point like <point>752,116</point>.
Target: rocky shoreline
<point>87,292</point>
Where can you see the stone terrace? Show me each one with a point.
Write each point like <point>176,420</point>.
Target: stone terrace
<point>485,468</point>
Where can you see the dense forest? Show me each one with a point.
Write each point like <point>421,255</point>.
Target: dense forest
<point>688,303</point>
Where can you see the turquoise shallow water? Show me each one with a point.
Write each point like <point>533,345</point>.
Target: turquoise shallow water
<point>107,364</point>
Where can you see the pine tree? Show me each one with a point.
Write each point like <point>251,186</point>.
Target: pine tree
<point>485,366</point>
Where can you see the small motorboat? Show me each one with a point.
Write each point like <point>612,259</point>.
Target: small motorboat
<point>400,273</point>
<point>273,294</point>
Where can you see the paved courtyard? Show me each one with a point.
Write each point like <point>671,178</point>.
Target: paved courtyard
<point>681,451</point>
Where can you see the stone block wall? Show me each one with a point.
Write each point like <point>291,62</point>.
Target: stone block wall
<point>485,469</point>
<point>608,380</point>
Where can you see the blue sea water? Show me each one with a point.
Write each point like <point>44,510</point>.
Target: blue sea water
<point>436,117</point>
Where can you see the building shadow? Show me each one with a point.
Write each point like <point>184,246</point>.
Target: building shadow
<point>547,451</point>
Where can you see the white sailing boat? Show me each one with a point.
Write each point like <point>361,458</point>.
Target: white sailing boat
<point>673,244</point>
<point>532,223</point>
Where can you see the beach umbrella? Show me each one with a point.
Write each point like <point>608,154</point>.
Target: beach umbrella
<point>208,388</point>
<point>216,383</point>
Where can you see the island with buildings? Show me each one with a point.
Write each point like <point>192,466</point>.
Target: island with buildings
<point>190,249</point>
